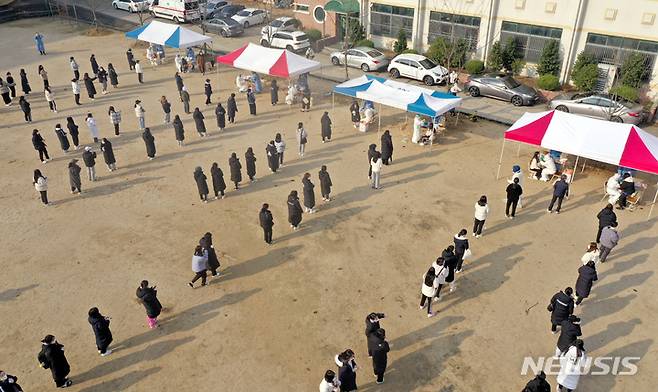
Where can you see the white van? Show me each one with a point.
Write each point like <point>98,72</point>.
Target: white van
<point>177,10</point>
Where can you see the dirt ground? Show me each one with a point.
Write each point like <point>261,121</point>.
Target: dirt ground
<point>279,313</point>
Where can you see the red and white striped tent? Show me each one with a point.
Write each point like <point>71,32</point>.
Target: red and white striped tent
<point>274,62</point>
<point>615,143</point>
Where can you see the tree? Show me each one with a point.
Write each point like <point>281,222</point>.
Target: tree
<point>356,31</point>
<point>401,44</point>
<point>634,70</point>
<point>583,60</point>
<point>549,62</point>
<point>585,77</point>
<point>495,58</point>
<point>511,53</point>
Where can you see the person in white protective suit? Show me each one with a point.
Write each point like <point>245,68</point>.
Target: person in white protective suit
<point>367,119</point>
<point>548,165</point>
<point>418,121</point>
<point>612,188</point>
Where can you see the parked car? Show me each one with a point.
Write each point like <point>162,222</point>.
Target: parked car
<point>368,59</point>
<point>502,87</point>
<point>283,23</point>
<point>130,5</point>
<point>213,6</point>
<point>294,41</point>
<point>600,106</point>
<point>415,66</point>
<point>177,10</point>
<point>226,27</point>
<point>250,17</point>
<point>227,12</point>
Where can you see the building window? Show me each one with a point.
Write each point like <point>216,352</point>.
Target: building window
<point>387,21</point>
<point>454,28</point>
<point>302,8</point>
<point>319,14</point>
<point>530,39</point>
<point>615,50</point>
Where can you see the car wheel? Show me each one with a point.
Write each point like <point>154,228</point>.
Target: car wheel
<point>474,91</point>
<point>176,20</point>
<point>335,61</point>
<point>395,73</point>
<point>562,108</point>
<point>223,34</point>
<point>365,67</point>
<point>617,119</point>
<point>246,25</point>
<point>289,48</point>
<point>517,101</point>
<point>116,7</point>
<point>428,80</point>
<point>265,43</point>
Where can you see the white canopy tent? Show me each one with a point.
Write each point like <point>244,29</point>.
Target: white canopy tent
<point>166,34</point>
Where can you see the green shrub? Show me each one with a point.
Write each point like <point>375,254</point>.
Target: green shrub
<point>365,42</point>
<point>511,53</point>
<point>582,60</point>
<point>549,62</point>
<point>634,70</point>
<point>448,53</point>
<point>474,66</point>
<point>313,34</point>
<point>401,44</point>
<point>296,23</point>
<point>548,82</point>
<point>495,58</point>
<point>411,51</point>
<point>517,66</point>
<point>585,77</point>
<point>629,93</point>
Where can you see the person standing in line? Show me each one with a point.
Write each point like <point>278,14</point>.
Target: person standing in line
<point>372,152</point>
<point>266,222</point>
<point>302,139</point>
<point>139,72</point>
<point>5,92</point>
<point>250,160</point>
<point>325,123</point>
<point>586,277</point>
<point>372,325</point>
<point>61,136</point>
<point>514,192</point>
<point>148,296</point>
<point>179,131</point>
<point>25,84</point>
<point>569,333</point>
<point>309,194</point>
<point>93,129</point>
<point>101,327</point>
<point>11,83</point>
<point>572,364</point>
<point>330,382</point>
<point>220,114</point>
<point>592,254</point>
<point>207,88</point>
<point>9,383</point>
<point>294,210</point>
<point>201,184</point>
<point>218,183</point>
<point>560,190</point>
<point>185,97</point>
<point>50,98</point>
<point>94,64</point>
<point>149,141</point>
<point>52,357</point>
<point>280,145</point>
<point>199,266</point>
<point>376,165</point>
<point>561,307</point>
<point>102,79</point>
<point>108,155</point>
<point>41,48</point>
<point>131,59</point>
<point>609,239</point>
<point>112,74</point>
<point>347,371</point>
<point>25,107</point>
<point>481,213</point>
<point>89,85</point>
<point>209,250</point>
<point>40,183</point>
<point>236,170</point>
<point>606,218</point>
<point>461,248</point>
<point>198,118</point>
<point>274,92</point>
<point>306,100</point>
<point>450,262</point>
<point>179,84</point>
<point>44,76</point>
<point>178,61</point>
<point>166,109</point>
<point>355,114</point>
<point>325,183</point>
<point>251,100</point>
<point>115,119</point>
<point>73,131</point>
<point>380,355</point>
<point>387,148</point>
<point>89,158</point>
<point>40,145</point>
<point>75,88</point>
<point>231,108</point>
<point>74,177</point>
<point>428,290</point>
<point>139,113</point>
<point>442,272</point>
<point>538,384</point>
<point>272,156</point>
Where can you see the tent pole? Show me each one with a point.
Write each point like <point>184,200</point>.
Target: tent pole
<point>333,101</point>
<point>584,163</point>
<point>379,120</point>
<point>518,151</point>
<point>575,167</point>
<point>500,160</point>
<point>653,203</point>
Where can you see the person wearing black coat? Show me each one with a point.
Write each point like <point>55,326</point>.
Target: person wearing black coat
<point>201,184</point>
<point>108,154</point>
<point>25,84</point>
<point>166,109</point>
<point>89,85</point>
<point>347,371</point>
<point>627,188</point>
<point>387,148</point>
<point>131,59</point>
<point>148,296</point>
<point>220,113</point>
<point>73,131</point>
<point>372,152</point>
<point>94,64</point>
<point>560,190</point>
<point>251,100</point>
<point>355,114</point>
<point>89,158</point>
<point>74,177</point>
<point>236,170</point>
<point>372,325</point>
<point>213,260</point>
<point>266,222</point>
<point>461,246</point>
<point>561,307</point>
<point>274,92</point>
<point>450,261</point>
<point>586,277</point>
<point>102,79</point>
<point>52,357</point>
<point>325,123</point>
<point>569,332</point>
<point>380,355</point>
<point>40,145</point>
<point>272,156</point>
<point>325,183</point>
<point>218,184</point>
<point>61,136</point>
<point>179,130</point>
<point>207,89</point>
<point>179,84</point>
<point>606,218</point>
<point>538,384</point>
<point>185,98</point>
<point>514,192</point>
<point>9,383</point>
<point>25,107</point>
<point>250,160</point>
<point>231,108</point>
<point>309,193</point>
<point>149,141</point>
<point>198,121</point>
<point>11,83</point>
<point>112,74</point>
<point>294,210</point>
<point>101,327</point>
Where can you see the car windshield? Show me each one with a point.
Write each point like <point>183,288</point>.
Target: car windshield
<point>427,64</point>
<point>510,82</point>
<point>243,13</point>
<point>192,6</point>
<point>374,53</point>
<point>301,37</point>
<point>276,23</point>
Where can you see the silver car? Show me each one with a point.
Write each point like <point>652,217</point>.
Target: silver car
<point>502,87</point>
<point>599,106</point>
<point>226,27</point>
<point>368,59</point>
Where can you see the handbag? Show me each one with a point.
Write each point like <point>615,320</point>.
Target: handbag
<point>467,254</point>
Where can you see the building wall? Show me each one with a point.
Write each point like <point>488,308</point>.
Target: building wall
<point>328,27</point>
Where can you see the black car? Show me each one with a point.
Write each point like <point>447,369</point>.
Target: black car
<point>227,12</point>
<point>226,27</point>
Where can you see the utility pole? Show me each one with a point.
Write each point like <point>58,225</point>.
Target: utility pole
<point>347,33</point>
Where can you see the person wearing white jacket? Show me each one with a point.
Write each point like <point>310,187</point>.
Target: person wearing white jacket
<point>572,364</point>
<point>199,265</point>
<point>91,124</point>
<point>481,213</point>
<point>592,254</point>
<point>139,113</point>
<point>428,290</point>
<point>376,164</point>
<point>75,87</point>
<point>50,97</point>
<point>442,272</point>
<point>330,382</point>
<point>139,72</point>
<point>41,185</point>
<point>280,145</point>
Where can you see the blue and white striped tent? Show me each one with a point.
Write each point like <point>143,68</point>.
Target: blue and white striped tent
<point>414,99</point>
<point>167,34</point>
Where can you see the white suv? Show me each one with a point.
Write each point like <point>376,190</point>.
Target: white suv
<point>415,66</point>
<point>295,41</point>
